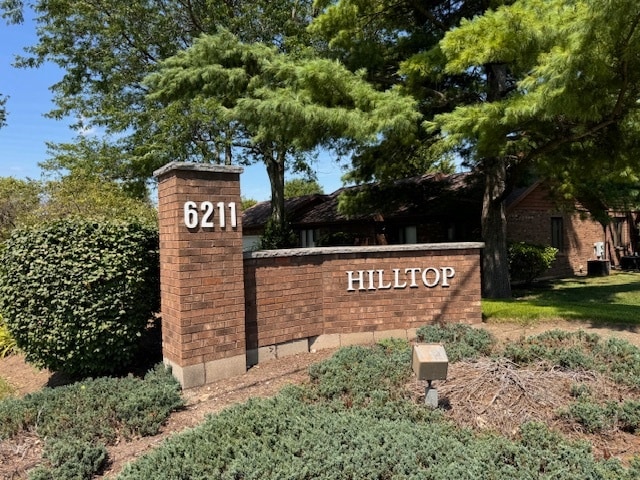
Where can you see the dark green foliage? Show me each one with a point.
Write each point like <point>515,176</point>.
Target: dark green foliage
<point>594,418</point>
<point>460,341</point>
<point>101,409</point>
<point>614,357</point>
<point>335,428</point>
<point>78,420</point>
<point>358,376</point>
<point>275,237</point>
<point>597,418</point>
<point>285,438</point>
<point>528,262</point>
<point>76,295</point>
<point>70,459</point>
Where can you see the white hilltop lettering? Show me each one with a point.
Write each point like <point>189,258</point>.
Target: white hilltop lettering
<point>398,278</point>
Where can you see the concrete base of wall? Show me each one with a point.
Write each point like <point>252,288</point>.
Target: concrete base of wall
<point>337,340</point>
<point>271,352</point>
<point>204,373</point>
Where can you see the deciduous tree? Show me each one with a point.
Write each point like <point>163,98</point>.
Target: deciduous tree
<point>18,200</point>
<point>106,48</point>
<point>296,187</point>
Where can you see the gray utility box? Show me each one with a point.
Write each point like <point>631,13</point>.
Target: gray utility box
<point>430,361</point>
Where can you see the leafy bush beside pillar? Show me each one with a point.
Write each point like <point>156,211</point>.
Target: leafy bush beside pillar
<point>528,262</point>
<point>76,295</point>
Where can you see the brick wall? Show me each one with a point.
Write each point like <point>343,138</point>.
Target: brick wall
<point>201,277</point>
<point>306,293</point>
<point>222,310</point>
<point>530,221</point>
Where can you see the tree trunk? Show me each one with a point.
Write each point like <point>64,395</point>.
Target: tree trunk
<point>275,170</point>
<point>495,274</point>
<point>495,262</point>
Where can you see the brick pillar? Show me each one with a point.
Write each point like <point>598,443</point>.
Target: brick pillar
<point>201,271</point>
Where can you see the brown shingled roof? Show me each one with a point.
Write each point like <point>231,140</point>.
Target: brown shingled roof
<point>432,195</point>
<point>258,215</point>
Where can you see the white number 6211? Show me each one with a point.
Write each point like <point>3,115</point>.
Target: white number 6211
<point>193,217</point>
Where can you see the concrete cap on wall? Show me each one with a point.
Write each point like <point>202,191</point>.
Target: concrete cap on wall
<point>197,167</point>
<point>415,247</point>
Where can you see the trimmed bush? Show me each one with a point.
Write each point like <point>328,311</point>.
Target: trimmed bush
<point>527,262</point>
<point>76,295</point>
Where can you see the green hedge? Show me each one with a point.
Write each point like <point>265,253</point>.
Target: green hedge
<point>76,295</point>
<point>528,262</point>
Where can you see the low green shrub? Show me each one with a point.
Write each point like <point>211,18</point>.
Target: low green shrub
<point>78,420</point>
<point>597,418</point>
<point>77,295</point>
<point>580,390</point>
<point>357,376</point>
<point>614,357</point>
<point>70,459</point>
<point>100,409</point>
<point>593,417</point>
<point>528,262</point>
<point>460,341</point>
<point>285,438</point>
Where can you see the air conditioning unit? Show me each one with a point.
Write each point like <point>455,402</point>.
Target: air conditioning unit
<point>598,250</point>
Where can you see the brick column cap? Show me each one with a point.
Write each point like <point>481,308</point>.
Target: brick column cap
<point>197,167</point>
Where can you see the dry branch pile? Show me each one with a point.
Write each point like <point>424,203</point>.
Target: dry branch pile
<point>498,395</point>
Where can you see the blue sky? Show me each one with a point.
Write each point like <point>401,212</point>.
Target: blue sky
<point>23,140</point>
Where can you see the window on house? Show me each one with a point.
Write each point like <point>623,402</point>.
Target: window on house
<point>618,232</point>
<point>409,234</point>
<point>307,238</point>
<point>557,233</point>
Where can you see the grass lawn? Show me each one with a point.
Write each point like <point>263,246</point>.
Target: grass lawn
<point>611,299</point>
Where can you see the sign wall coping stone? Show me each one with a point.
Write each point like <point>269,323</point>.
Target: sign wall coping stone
<point>197,167</point>
<point>416,247</point>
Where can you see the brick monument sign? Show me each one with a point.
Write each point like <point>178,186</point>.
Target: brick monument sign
<point>201,277</point>
<point>223,310</point>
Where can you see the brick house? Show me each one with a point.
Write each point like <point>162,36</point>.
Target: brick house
<point>533,217</point>
<point>435,208</point>
<point>432,208</point>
